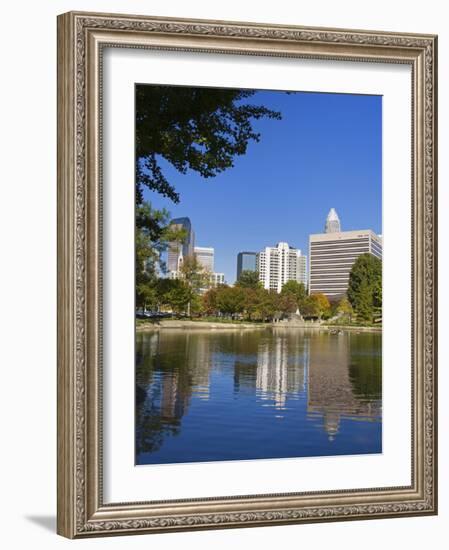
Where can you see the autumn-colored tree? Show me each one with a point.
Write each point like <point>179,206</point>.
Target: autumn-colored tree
<point>344,309</point>
<point>323,305</point>
<point>287,303</point>
<point>316,306</point>
<point>250,300</point>
<point>209,301</point>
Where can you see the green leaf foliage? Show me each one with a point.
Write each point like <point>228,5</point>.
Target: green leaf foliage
<point>297,291</point>
<point>249,279</point>
<point>199,129</point>
<point>365,287</point>
<point>152,237</point>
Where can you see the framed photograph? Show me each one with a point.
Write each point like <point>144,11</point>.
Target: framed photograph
<point>246,274</point>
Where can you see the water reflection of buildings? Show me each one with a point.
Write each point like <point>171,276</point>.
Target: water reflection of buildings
<point>331,389</point>
<point>276,369</point>
<point>279,371</point>
<point>330,377</point>
<point>200,366</point>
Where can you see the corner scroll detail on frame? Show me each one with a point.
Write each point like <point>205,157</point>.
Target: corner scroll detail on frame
<point>82,511</point>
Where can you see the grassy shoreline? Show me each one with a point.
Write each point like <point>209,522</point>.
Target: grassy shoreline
<point>240,325</point>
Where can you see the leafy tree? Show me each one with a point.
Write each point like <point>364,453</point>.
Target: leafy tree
<point>377,296</point>
<point>249,279</point>
<point>287,303</point>
<point>178,296</point>
<point>365,287</point>
<point>195,129</point>
<point>323,305</point>
<point>194,275</point>
<point>146,297</point>
<point>145,277</point>
<point>364,305</point>
<point>209,302</point>
<point>162,288</point>
<point>266,305</point>
<point>230,300</point>
<point>317,306</point>
<point>296,290</point>
<point>311,307</point>
<point>196,305</point>
<point>152,237</point>
<point>250,300</point>
<point>344,309</point>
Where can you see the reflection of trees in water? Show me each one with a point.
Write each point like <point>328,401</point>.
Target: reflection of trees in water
<point>365,366</point>
<point>171,366</point>
<point>345,378</point>
<point>341,374</point>
<point>168,370</point>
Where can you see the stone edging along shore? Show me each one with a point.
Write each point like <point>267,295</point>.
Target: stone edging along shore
<point>209,325</point>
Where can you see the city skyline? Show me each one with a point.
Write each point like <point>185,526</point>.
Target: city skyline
<point>325,152</point>
<point>323,270</point>
<point>275,184</point>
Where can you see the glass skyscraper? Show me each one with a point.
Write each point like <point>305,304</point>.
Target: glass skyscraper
<point>246,261</point>
<point>177,251</point>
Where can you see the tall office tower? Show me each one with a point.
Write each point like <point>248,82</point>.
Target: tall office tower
<point>279,264</point>
<point>205,257</point>
<point>246,261</point>
<point>301,268</point>
<point>178,251</point>
<point>332,255</point>
<point>332,222</point>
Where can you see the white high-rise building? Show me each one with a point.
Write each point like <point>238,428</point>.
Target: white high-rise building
<point>217,279</point>
<point>281,263</point>
<point>205,256</point>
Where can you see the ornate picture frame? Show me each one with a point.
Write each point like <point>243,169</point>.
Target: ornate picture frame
<point>82,38</point>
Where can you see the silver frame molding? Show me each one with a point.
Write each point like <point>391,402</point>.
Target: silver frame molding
<point>81,510</point>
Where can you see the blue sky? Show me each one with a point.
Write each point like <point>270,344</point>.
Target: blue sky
<point>325,152</point>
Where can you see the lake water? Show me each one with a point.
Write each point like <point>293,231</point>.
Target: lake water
<point>205,395</point>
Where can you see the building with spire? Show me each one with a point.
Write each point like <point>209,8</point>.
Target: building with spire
<point>332,222</point>
<point>333,253</point>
